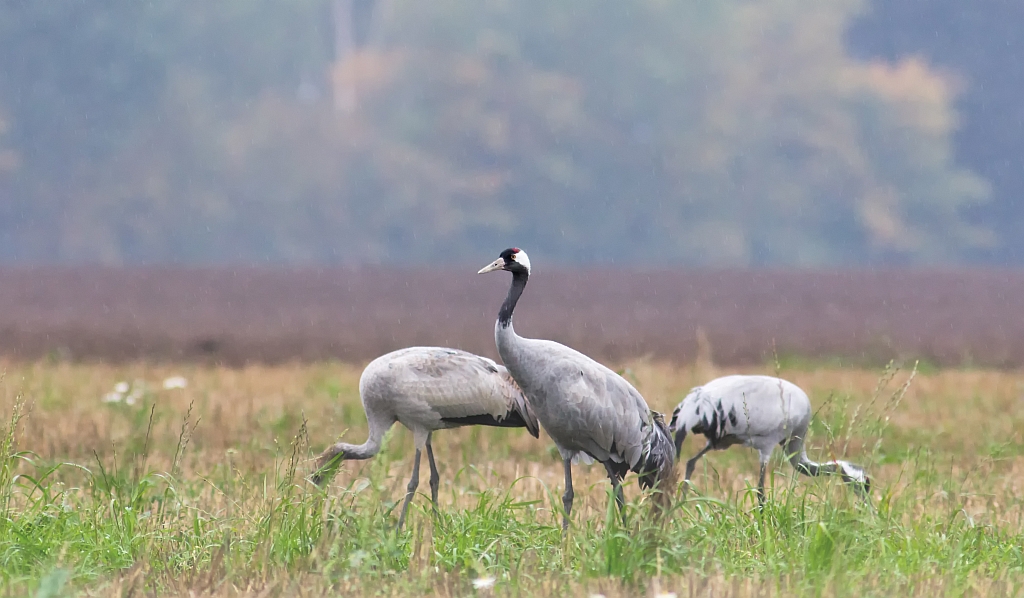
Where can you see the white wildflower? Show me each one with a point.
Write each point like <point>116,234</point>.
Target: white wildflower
<point>138,390</point>
<point>665,595</point>
<point>175,382</point>
<point>121,392</point>
<point>483,583</point>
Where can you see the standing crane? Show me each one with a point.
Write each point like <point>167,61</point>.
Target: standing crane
<point>760,412</point>
<point>589,411</point>
<point>428,389</point>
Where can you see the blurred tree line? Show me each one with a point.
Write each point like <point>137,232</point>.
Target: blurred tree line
<point>982,44</point>
<point>652,131</point>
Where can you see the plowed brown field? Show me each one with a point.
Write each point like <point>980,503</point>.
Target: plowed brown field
<point>234,316</point>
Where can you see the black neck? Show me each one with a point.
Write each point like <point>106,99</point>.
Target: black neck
<point>811,468</point>
<point>518,284</point>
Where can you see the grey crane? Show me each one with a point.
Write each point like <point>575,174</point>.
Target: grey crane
<point>427,389</point>
<point>760,412</point>
<point>589,411</point>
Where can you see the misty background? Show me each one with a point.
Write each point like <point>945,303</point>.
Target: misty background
<point>728,133</point>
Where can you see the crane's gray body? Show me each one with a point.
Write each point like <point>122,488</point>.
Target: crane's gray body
<point>586,408</point>
<point>761,412</point>
<point>435,388</point>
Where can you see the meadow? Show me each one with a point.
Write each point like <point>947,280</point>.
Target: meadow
<point>201,491</point>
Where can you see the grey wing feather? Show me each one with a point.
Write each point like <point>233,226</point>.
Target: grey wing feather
<point>583,405</point>
<point>448,384</point>
<point>607,408</point>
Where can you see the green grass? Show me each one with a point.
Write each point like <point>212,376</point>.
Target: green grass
<point>120,523</point>
<point>812,536</point>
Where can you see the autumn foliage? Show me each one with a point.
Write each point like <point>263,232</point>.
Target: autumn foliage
<point>730,133</point>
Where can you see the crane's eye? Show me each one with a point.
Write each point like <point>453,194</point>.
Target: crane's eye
<point>512,257</point>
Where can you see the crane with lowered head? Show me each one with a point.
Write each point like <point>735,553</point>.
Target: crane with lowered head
<point>428,389</point>
<point>761,412</point>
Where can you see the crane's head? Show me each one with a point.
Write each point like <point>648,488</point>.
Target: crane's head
<point>513,260</point>
<point>855,476</point>
<point>327,464</point>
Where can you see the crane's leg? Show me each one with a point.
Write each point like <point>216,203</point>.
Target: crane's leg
<point>620,498</point>
<point>411,488</point>
<point>691,465</point>
<point>434,477</point>
<point>568,496</point>
<point>760,484</point>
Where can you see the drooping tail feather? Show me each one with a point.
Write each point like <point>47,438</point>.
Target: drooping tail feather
<point>657,468</point>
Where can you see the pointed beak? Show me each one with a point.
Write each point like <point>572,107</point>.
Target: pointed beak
<point>498,264</point>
